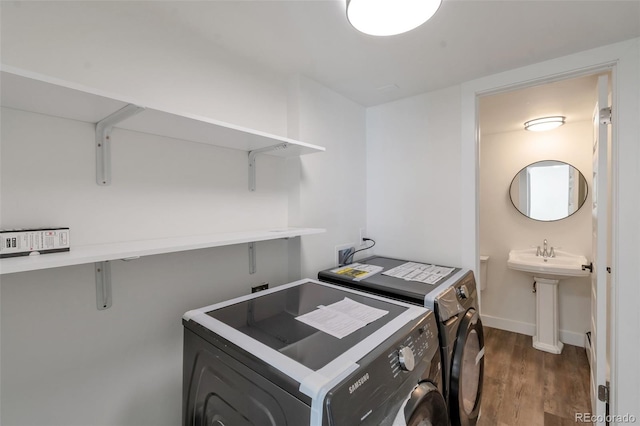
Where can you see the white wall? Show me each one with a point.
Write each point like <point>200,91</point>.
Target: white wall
<point>136,49</point>
<point>413,177</point>
<point>123,366</point>
<point>161,186</point>
<point>508,301</point>
<point>333,185</point>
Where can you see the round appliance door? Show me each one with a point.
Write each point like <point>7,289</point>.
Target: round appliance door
<point>467,371</point>
<point>425,407</point>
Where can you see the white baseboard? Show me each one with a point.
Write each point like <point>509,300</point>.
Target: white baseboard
<point>509,325</point>
<point>568,337</point>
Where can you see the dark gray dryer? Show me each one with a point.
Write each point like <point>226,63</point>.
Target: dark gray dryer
<point>250,361</point>
<point>454,300</point>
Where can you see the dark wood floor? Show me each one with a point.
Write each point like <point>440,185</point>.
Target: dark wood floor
<point>528,387</point>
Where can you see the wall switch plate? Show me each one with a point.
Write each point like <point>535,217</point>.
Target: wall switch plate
<point>260,287</point>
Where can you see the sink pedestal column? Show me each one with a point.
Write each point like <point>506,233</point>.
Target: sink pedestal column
<point>547,321</point>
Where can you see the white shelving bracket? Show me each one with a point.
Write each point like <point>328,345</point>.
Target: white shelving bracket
<point>252,161</point>
<point>103,141</point>
<point>103,285</point>
<point>252,258</point>
<point>252,254</point>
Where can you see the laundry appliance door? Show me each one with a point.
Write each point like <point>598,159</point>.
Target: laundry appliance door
<point>425,407</point>
<point>467,371</point>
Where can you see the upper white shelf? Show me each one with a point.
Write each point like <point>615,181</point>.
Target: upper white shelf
<point>132,249</point>
<point>27,91</point>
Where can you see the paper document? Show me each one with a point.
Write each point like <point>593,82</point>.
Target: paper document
<point>421,272</point>
<point>358,271</point>
<point>342,318</point>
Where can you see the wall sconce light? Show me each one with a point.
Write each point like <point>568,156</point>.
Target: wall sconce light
<point>545,123</point>
<point>389,17</point>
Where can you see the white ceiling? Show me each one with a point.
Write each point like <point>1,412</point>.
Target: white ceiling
<point>463,41</point>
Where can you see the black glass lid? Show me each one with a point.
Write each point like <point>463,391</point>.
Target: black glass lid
<point>271,320</point>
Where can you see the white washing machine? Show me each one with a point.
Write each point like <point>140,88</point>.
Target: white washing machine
<point>254,361</point>
<point>453,298</point>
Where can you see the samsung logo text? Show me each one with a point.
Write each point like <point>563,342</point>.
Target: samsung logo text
<point>358,383</point>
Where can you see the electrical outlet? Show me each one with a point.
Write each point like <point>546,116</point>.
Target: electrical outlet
<point>346,249</point>
<point>363,234</point>
<point>260,287</point>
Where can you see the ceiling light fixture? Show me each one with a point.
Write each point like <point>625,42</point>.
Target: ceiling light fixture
<point>545,123</point>
<point>389,17</point>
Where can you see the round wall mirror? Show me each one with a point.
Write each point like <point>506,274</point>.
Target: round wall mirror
<point>548,190</point>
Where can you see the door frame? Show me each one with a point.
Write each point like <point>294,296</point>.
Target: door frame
<point>621,59</point>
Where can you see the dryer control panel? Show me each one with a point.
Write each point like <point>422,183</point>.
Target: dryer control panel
<point>466,290</point>
<point>456,299</point>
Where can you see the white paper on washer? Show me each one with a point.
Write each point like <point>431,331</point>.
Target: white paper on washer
<point>342,318</point>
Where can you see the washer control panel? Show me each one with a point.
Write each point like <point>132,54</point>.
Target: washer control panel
<point>364,396</point>
<point>406,359</point>
<point>421,342</point>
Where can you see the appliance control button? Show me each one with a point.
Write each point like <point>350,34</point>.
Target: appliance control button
<point>406,358</point>
<point>463,292</point>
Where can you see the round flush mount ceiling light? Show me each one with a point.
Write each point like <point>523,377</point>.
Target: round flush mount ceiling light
<point>545,123</point>
<point>389,17</point>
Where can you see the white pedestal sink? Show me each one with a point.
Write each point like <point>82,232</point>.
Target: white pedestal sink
<point>547,273</point>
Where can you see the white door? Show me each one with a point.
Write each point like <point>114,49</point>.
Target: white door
<point>600,251</point>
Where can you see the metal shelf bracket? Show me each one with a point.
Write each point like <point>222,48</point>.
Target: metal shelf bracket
<point>252,254</point>
<point>103,285</point>
<point>252,258</point>
<point>252,161</point>
<point>104,298</point>
<point>103,141</point>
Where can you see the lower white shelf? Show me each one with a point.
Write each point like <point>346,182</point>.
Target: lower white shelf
<point>132,249</point>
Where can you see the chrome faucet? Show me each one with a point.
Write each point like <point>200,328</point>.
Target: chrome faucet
<point>546,250</point>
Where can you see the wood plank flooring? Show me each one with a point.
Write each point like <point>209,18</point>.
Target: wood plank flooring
<point>527,387</point>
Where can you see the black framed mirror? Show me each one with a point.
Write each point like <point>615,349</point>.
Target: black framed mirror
<point>548,190</point>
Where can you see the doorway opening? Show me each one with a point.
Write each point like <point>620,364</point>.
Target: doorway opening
<point>505,150</point>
